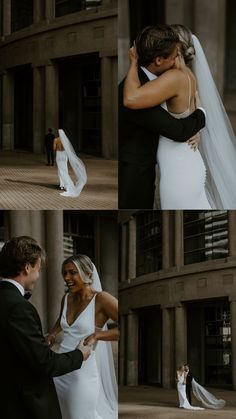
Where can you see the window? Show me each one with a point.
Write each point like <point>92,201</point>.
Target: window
<point>21,14</point>
<point>64,7</point>
<point>205,235</point>
<point>149,242</point>
<point>78,234</point>
<point>1,228</point>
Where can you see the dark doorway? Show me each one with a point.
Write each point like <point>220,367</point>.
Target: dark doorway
<point>21,14</point>
<point>209,342</point>
<point>150,346</point>
<point>145,13</point>
<point>23,108</point>
<point>80,102</point>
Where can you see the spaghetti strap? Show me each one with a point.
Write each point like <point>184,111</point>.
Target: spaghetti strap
<point>190,91</point>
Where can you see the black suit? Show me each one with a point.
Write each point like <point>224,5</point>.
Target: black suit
<point>27,390</point>
<point>189,386</point>
<point>139,131</point>
<point>49,140</point>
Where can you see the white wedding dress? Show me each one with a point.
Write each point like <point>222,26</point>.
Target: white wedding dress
<point>82,393</point>
<point>183,401</point>
<point>182,172</point>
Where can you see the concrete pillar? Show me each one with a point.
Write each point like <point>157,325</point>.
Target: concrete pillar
<point>51,98</point>
<point>233,341</point>
<point>39,297</point>
<point>132,249</point>
<point>179,239</point>
<point>232,233</point>
<point>132,349</point>
<point>209,26</point>
<point>165,239</point>
<point>19,223</point>
<point>122,357</point>
<point>50,9</point>
<point>8,111</point>
<point>180,335</point>
<point>37,11</point>
<point>124,252</point>
<point>55,256</point>
<point>179,11</point>
<point>123,38</point>
<point>108,254</point>
<point>38,110</point>
<point>107,89</point>
<point>6,17</point>
<point>168,334</point>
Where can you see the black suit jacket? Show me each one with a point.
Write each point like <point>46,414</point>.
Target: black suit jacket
<point>27,390</point>
<point>189,381</point>
<point>139,132</point>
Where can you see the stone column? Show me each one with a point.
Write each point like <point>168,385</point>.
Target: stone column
<point>179,239</point>
<point>165,239</point>
<point>124,252</point>
<point>107,89</point>
<point>132,349</point>
<point>55,256</point>
<point>6,17</point>
<point>179,11</point>
<point>210,28</point>
<point>38,110</point>
<point>108,255</point>
<point>122,359</point>
<point>123,38</point>
<point>132,249</point>
<point>51,98</point>
<point>39,297</point>
<point>180,335</point>
<point>233,341</point>
<point>50,9</point>
<point>8,111</point>
<point>167,347</point>
<point>19,223</point>
<point>37,11</point>
<point>232,233</point>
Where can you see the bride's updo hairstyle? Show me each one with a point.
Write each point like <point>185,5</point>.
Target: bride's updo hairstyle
<point>186,42</point>
<point>84,265</point>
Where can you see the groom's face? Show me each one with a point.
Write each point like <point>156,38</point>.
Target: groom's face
<point>164,64</point>
<point>32,275</point>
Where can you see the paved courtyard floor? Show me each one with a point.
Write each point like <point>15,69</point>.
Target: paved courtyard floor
<point>156,403</point>
<point>27,183</point>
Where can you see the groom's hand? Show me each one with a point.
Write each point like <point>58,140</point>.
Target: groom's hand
<point>194,142</point>
<point>85,349</point>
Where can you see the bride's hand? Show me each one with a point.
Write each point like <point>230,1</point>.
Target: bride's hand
<point>50,339</point>
<point>90,340</point>
<point>133,56</point>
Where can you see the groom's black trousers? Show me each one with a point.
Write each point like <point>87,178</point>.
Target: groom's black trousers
<point>136,185</point>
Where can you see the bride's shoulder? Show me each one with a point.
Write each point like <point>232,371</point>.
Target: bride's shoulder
<point>173,74</point>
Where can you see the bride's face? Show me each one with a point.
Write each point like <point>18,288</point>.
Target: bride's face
<point>72,278</point>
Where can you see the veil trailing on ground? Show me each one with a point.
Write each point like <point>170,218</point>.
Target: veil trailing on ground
<point>205,397</point>
<point>218,144</point>
<point>73,189</point>
<point>108,397</point>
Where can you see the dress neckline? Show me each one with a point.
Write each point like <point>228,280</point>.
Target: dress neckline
<point>66,305</point>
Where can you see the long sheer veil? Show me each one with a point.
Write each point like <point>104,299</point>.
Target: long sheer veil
<point>108,397</point>
<point>74,189</point>
<point>218,144</point>
<point>206,398</point>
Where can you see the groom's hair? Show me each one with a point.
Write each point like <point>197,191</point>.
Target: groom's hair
<point>155,41</point>
<point>18,251</point>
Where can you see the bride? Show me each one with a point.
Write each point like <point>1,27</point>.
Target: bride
<point>183,180</point>
<point>65,152</point>
<point>91,392</point>
<point>205,397</point>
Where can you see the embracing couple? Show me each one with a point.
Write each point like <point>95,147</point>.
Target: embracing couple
<point>74,381</point>
<point>160,115</point>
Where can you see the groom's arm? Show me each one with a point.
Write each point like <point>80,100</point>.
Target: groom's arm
<point>159,121</point>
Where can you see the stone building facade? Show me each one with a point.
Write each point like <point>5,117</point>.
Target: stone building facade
<point>212,22</point>
<point>63,233</point>
<point>177,296</point>
<point>58,69</point>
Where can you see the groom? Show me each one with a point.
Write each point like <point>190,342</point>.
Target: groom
<point>139,130</point>
<point>27,363</point>
<point>189,380</point>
